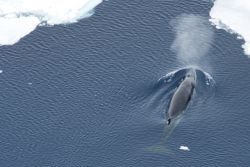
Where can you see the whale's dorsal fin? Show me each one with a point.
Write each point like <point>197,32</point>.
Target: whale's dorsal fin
<point>169,121</point>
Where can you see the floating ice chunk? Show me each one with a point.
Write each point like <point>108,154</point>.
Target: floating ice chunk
<point>18,18</point>
<point>184,148</point>
<point>233,16</point>
<point>12,29</point>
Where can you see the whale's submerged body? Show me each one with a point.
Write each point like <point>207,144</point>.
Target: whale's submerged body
<point>182,96</point>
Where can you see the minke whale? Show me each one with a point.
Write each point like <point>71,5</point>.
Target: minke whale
<point>182,96</point>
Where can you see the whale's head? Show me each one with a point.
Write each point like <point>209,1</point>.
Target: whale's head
<point>191,75</point>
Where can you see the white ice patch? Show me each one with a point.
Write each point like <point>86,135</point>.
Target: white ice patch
<point>20,17</point>
<point>233,16</point>
<point>184,148</point>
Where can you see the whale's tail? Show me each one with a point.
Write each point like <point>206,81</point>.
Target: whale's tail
<point>168,128</point>
<point>159,149</point>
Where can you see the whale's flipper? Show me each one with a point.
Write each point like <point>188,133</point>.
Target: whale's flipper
<point>169,121</point>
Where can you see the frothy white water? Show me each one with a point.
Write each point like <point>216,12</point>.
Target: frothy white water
<point>233,16</point>
<point>193,39</point>
<point>20,17</point>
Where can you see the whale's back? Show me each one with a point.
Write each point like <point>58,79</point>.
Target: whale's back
<point>181,98</point>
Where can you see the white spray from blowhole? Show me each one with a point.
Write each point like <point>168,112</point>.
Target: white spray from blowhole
<point>193,39</point>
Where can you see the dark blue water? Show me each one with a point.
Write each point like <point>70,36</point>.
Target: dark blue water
<point>82,95</point>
